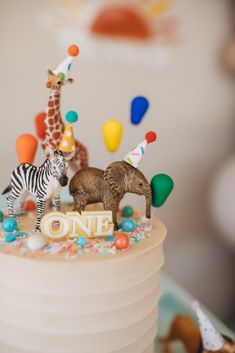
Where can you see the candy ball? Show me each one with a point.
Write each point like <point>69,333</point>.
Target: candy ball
<point>81,241</point>
<point>128,225</point>
<point>73,50</point>
<point>71,116</point>
<point>110,239</point>
<point>10,237</point>
<point>121,240</point>
<point>9,225</point>
<point>29,205</point>
<point>1,216</point>
<point>127,211</point>
<point>35,242</point>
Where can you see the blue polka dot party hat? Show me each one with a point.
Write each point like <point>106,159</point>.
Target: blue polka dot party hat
<point>211,338</point>
<point>135,156</point>
<point>63,69</point>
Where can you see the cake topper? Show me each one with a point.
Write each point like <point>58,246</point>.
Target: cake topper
<point>53,120</point>
<point>26,147</point>
<point>112,134</point>
<point>109,186</point>
<point>139,107</point>
<point>45,181</point>
<point>162,186</point>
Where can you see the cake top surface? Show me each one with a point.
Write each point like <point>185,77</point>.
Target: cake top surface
<point>146,234</point>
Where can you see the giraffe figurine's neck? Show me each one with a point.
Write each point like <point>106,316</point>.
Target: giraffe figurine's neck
<point>53,121</point>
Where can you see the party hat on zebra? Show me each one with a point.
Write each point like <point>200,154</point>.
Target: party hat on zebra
<point>63,69</point>
<point>211,338</point>
<point>135,156</point>
<point>67,143</point>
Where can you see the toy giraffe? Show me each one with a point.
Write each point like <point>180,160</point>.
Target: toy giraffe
<point>53,121</point>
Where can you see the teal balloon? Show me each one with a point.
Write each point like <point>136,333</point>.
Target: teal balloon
<point>71,116</point>
<point>161,185</point>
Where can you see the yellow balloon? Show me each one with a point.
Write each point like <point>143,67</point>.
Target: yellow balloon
<point>112,133</point>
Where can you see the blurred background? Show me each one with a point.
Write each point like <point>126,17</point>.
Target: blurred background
<point>180,55</point>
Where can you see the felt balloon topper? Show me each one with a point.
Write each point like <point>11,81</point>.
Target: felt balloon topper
<point>139,107</point>
<point>26,147</point>
<point>162,186</point>
<point>112,134</point>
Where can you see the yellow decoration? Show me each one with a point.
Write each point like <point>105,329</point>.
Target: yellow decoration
<point>74,224</point>
<point>158,8</point>
<point>112,133</point>
<point>67,143</point>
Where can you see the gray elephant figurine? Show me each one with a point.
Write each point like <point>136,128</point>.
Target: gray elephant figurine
<point>109,186</point>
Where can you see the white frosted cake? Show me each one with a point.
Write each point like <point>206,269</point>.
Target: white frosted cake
<point>95,299</point>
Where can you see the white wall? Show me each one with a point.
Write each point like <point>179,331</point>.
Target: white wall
<point>192,109</point>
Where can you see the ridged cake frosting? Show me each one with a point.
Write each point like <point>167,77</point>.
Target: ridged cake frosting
<point>93,304</point>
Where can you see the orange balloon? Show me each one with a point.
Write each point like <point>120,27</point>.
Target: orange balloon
<point>40,125</point>
<point>26,147</point>
<point>73,50</point>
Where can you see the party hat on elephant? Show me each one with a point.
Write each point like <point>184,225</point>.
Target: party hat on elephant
<point>211,338</point>
<point>67,143</point>
<point>135,156</point>
<point>63,69</point>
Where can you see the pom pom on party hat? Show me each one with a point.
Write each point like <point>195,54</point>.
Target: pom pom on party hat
<point>64,68</point>
<point>135,156</point>
<point>211,338</point>
<point>67,143</point>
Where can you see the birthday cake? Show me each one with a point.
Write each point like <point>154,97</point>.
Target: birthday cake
<point>79,275</point>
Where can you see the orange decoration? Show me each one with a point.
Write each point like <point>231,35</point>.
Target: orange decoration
<point>121,21</point>
<point>121,240</point>
<point>73,50</point>
<point>26,146</point>
<point>29,205</point>
<point>40,125</point>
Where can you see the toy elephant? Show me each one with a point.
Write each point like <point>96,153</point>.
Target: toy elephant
<point>108,186</point>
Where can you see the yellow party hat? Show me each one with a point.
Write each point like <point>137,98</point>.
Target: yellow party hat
<point>67,143</point>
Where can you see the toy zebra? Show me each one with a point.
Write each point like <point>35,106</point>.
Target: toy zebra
<point>45,182</point>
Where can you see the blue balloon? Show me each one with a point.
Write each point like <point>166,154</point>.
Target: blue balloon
<point>139,106</point>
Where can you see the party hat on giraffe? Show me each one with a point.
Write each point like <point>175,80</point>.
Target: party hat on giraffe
<point>211,338</point>
<point>135,156</point>
<point>63,69</point>
<point>67,143</point>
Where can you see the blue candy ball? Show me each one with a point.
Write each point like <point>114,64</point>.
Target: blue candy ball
<point>128,225</point>
<point>81,241</point>
<point>71,116</point>
<point>9,225</point>
<point>10,237</point>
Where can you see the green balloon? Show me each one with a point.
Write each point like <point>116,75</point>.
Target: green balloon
<point>161,185</point>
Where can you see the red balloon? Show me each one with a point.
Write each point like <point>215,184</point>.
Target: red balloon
<point>121,240</point>
<point>40,125</point>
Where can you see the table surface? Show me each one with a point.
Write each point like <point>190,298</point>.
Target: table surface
<point>175,300</point>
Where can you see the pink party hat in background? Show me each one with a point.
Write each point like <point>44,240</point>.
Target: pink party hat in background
<point>135,156</point>
<point>211,338</point>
